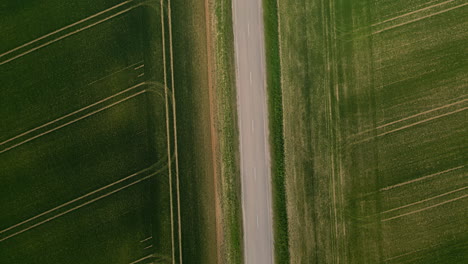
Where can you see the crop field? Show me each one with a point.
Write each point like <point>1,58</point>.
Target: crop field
<point>86,144</point>
<point>374,113</point>
<point>208,166</point>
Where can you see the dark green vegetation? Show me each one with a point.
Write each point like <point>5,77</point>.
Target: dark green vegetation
<point>225,93</point>
<point>83,143</point>
<point>98,159</point>
<point>275,109</point>
<point>197,184</point>
<point>374,115</point>
<point>206,130</point>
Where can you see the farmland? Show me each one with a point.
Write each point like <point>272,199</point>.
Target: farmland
<point>118,139</point>
<point>84,151</point>
<point>118,133</point>
<point>374,127</point>
<point>206,131</point>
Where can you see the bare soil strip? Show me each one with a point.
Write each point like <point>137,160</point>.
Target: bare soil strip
<point>214,140</point>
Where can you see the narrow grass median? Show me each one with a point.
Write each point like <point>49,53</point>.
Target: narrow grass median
<point>227,129</point>
<point>275,108</point>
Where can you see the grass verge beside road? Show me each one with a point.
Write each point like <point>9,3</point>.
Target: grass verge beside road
<point>275,108</point>
<point>227,129</point>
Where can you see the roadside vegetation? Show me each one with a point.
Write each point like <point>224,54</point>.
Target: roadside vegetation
<point>204,84</point>
<point>227,129</point>
<point>275,108</point>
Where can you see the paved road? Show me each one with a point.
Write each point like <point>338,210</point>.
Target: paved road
<point>253,122</point>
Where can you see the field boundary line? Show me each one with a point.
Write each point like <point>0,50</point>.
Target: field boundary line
<point>80,198</point>
<point>73,121</point>
<point>426,208</point>
<point>64,28</point>
<point>420,179</point>
<point>72,113</point>
<point>174,117</point>
<point>78,206</point>
<point>68,34</point>
<point>168,131</point>
<point>425,200</point>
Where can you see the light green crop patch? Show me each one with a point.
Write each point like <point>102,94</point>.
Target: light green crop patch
<point>374,114</point>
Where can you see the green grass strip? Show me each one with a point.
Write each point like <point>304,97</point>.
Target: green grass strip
<point>275,107</point>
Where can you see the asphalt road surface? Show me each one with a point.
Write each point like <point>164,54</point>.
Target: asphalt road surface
<point>253,123</point>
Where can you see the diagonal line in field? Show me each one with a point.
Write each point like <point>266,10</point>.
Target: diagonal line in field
<point>422,121</point>
<point>412,77</point>
<point>413,116</point>
<point>421,178</point>
<point>148,247</point>
<point>79,206</point>
<point>422,113</point>
<point>426,208</point>
<point>69,34</point>
<point>418,19</point>
<point>64,28</point>
<point>413,12</point>
<point>113,73</point>
<point>73,121</point>
<point>412,252</point>
<point>78,199</point>
<point>146,239</point>
<point>425,200</point>
<point>143,258</point>
<point>346,33</point>
<point>72,113</point>
<point>139,67</point>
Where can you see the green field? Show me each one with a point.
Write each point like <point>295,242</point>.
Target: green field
<point>209,174</point>
<point>373,100</point>
<point>107,152</point>
<point>197,198</point>
<point>83,134</point>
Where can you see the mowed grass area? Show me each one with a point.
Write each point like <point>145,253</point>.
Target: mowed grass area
<point>227,129</point>
<point>83,152</point>
<point>374,116</point>
<point>208,158</point>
